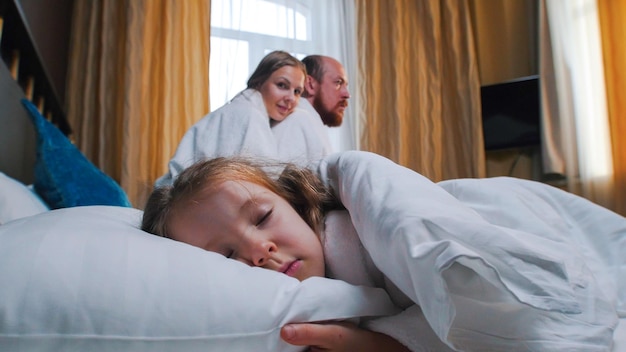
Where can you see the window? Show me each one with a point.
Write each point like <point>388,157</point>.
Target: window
<point>244,31</point>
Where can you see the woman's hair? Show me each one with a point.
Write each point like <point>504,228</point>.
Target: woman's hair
<point>270,63</point>
<point>300,187</point>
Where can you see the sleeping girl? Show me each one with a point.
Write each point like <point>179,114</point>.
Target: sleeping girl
<point>465,277</point>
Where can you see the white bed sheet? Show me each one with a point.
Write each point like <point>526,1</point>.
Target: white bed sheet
<point>619,337</point>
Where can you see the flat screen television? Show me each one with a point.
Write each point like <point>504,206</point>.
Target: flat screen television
<point>511,113</point>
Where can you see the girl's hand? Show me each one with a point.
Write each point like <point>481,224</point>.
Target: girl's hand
<point>338,337</point>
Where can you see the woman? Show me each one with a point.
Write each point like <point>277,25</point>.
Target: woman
<point>242,126</point>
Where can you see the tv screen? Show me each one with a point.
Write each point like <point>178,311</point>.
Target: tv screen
<point>511,113</point>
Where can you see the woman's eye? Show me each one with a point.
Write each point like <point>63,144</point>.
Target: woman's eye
<point>263,218</point>
<point>282,85</point>
<point>298,92</point>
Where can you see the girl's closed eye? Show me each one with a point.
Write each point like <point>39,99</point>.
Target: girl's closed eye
<point>265,216</point>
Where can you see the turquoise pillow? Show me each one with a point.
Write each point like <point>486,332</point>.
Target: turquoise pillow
<point>64,177</point>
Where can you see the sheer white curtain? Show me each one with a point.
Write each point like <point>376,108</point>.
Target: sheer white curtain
<point>243,31</point>
<point>582,149</point>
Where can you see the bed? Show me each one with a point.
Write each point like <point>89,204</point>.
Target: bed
<point>78,274</point>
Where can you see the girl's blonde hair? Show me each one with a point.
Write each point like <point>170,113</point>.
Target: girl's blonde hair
<point>300,187</point>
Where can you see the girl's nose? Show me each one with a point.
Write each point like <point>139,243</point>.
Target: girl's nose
<point>262,252</point>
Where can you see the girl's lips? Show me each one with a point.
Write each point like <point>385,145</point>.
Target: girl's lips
<point>292,268</point>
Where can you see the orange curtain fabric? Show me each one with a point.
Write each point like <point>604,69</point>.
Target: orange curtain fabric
<point>612,18</point>
<point>138,79</point>
<point>420,88</point>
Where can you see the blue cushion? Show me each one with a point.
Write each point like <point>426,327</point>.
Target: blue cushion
<point>64,177</point>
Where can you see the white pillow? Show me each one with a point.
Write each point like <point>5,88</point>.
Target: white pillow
<point>87,279</point>
<point>17,200</point>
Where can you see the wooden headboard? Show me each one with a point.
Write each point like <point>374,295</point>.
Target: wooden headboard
<point>22,75</point>
<point>17,136</point>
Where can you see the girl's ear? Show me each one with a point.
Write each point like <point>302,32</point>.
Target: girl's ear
<point>310,85</point>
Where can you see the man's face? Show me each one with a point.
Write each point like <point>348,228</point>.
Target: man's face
<point>332,95</point>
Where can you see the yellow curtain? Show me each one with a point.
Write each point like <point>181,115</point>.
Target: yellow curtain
<point>612,18</point>
<point>138,79</point>
<point>420,88</point>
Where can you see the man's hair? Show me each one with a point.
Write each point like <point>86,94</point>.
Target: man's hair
<point>270,63</point>
<point>314,66</point>
<point>300,187</point>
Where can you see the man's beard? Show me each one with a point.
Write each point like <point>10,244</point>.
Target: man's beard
<point>330,118</point>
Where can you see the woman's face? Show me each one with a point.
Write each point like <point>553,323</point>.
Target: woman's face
<point>281,91</point>
<point>249,223</point>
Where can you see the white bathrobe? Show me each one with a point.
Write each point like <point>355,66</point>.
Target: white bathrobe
<point>242,127</point>
<point>302,138</point>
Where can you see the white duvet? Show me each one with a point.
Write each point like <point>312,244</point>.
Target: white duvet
<point>497,264</point>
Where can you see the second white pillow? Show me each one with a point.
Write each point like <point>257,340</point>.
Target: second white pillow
<point>17,200</point>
